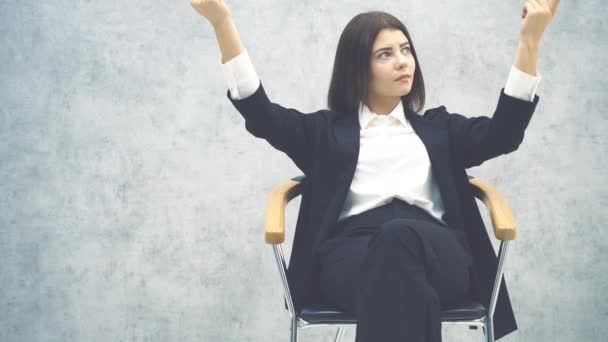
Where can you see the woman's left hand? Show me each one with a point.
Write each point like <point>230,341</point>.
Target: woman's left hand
<point>537,15</point>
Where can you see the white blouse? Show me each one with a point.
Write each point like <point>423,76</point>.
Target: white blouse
<point>380,172</point>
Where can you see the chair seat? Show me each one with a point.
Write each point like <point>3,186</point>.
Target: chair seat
<point>322,314</point>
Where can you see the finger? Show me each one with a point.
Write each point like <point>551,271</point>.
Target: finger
<point>539,3</point>
<point>542,6</point>
<point>528,7</point>
<point>534,5</point>
<point>553,5</point>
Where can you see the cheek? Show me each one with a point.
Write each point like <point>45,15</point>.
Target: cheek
<point>383,74</point>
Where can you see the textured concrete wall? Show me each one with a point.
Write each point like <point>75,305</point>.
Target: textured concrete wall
<point>132,198</point>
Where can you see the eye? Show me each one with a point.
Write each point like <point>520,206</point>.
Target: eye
<point>407,47</point>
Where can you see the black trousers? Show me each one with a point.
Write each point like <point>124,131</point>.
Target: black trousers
<point>395,267</point>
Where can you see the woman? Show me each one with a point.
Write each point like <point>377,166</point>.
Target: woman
<point>382,234</point>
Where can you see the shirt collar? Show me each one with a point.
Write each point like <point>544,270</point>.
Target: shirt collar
<point>366,115</point>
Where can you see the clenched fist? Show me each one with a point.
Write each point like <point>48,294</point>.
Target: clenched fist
<point>214,10</point>
<point>537,15</point>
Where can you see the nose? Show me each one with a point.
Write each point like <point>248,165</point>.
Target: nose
<point>401,62</point>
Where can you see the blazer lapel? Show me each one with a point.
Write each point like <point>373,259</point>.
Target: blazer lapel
<point>346,149</point>
<point>341,157</point>
<point>345,154</point>
<point>435,138</point>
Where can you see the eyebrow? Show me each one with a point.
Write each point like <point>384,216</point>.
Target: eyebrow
<point>388,48</point>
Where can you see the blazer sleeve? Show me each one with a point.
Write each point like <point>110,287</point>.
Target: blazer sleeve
<point>477,139</point>
<point>286,129</point>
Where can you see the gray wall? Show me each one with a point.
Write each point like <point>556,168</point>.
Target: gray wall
<point>132,198</point>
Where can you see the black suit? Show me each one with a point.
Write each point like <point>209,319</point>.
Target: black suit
<point>325,146</point>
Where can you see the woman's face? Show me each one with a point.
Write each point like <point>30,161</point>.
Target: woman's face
<point>391,57</point>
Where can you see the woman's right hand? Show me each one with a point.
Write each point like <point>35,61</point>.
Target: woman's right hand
<point>214,10</point>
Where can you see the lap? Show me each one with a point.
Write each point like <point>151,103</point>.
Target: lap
<point>442,254</point>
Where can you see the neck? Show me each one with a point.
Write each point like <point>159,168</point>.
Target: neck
<point>383,106</point>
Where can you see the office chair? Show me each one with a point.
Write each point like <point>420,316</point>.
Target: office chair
<point>472,314</point>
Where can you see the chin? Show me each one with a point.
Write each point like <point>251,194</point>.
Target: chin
<point>403,93</point>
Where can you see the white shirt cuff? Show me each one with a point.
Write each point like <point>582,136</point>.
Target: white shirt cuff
<point>521,84</point>
<point>241,76</point>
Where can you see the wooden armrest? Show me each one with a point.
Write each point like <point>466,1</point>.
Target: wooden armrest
<point>275,210</point>
<point>501,215</point>
<point>500,212</point>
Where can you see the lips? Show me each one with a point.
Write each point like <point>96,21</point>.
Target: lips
<point>403,76</point>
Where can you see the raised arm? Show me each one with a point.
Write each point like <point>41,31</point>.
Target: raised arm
<point>219,16</point>
<point>477,139</point>
<point>537,15</point>
<point>286,129</point>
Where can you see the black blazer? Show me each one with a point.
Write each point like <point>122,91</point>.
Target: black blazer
<point>325,146</point>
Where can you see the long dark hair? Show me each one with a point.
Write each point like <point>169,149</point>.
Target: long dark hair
<point>350,76</point>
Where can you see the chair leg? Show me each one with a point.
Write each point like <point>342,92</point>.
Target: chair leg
<point>489,330</point>
<point>339,334</point>
<point>294,331</point>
